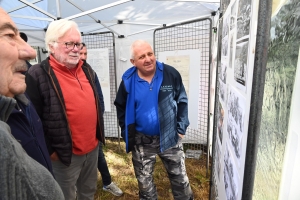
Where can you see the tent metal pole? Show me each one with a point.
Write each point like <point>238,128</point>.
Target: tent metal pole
<point>24,29</point>
<point>137,23</point>
<point>171,24</point>
<point>96,20</point>
<point>150,29</point>
<point>34,18</point>
<point>97,9</point>
<point>187,20</point>
<point>81,9</point>
<point>58,9</point>
<point>109,29</point>
<point>96,29</point>
<point>36,38</point>
<point>20,7</point>
<point>38,9</point>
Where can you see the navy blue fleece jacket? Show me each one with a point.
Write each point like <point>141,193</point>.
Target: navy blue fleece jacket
<point>172,106</point>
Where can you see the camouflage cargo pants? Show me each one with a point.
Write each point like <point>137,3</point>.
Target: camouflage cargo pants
<point>144,157</point>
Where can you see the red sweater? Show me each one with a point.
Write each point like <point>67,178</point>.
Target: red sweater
<point>80,105</point>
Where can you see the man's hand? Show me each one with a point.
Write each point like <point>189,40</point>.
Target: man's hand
<point>180,135</point>
<point>54,156</point>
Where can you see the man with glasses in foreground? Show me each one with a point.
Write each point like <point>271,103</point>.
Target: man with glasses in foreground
<point>21,176</point>
<point>62,89</point>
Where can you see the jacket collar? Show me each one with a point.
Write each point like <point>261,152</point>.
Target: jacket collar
<point>22,98</point>
<point>7,104</point>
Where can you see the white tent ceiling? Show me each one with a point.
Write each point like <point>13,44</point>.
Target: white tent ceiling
<point>131,19</point>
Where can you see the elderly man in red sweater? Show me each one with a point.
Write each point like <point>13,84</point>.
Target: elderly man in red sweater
<point>62,89</point>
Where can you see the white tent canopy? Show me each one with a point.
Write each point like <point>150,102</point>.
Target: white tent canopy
<point>125,18</point>
<point>128,20</point>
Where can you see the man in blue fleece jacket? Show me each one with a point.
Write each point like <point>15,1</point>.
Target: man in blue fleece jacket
<point>152,109</point>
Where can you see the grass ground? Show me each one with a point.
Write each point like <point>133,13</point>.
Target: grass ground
<point>121,170</point>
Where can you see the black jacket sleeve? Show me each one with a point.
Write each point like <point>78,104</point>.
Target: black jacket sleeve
<point>100,94</point>
<point>33,93</point>
<point>120,103</point>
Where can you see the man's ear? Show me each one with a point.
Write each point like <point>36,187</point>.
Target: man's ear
<point>51,48</point>
<point>132,61</point>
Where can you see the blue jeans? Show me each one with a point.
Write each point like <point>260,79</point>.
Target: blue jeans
<point>102,167</point>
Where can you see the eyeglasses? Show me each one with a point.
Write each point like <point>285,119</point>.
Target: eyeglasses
<point>71,45</point>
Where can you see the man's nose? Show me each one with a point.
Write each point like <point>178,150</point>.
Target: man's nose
<point>148,58</point>
<point>26,52</point>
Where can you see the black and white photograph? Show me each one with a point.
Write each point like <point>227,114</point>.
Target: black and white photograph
<point>225,4</point>
<point>240,64</point>
<point>231,47</point>
<point>215,185</point>
<point>233,15</point>
<point>223,70</point>
<point>225,28</point>
<point>225,46</point>
<point>230,176</point>
<point>225,32</point>
<point>228,190</point>
<point>243,18</point>
<point>232,33</point>
<point>222,92</point>
<point>235,120</point>
<point>220,122</point>
<point>218,159</point>
<point>234,137</point>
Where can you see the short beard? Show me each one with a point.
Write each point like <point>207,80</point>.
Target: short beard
<point>69,63</point>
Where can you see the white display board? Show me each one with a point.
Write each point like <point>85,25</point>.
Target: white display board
<point>99,61</point>
<point>187,63</point>
<point>234,90</point>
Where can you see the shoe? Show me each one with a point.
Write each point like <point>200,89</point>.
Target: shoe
<point>113,188</point>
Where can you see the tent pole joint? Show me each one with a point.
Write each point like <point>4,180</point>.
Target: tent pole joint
<point>214,29</point>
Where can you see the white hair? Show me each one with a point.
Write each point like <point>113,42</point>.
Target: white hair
<point>135,44</point>
<point>57,29</point>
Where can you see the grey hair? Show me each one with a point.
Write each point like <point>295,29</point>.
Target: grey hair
<point>135,44</point>
<point>57,29</point>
